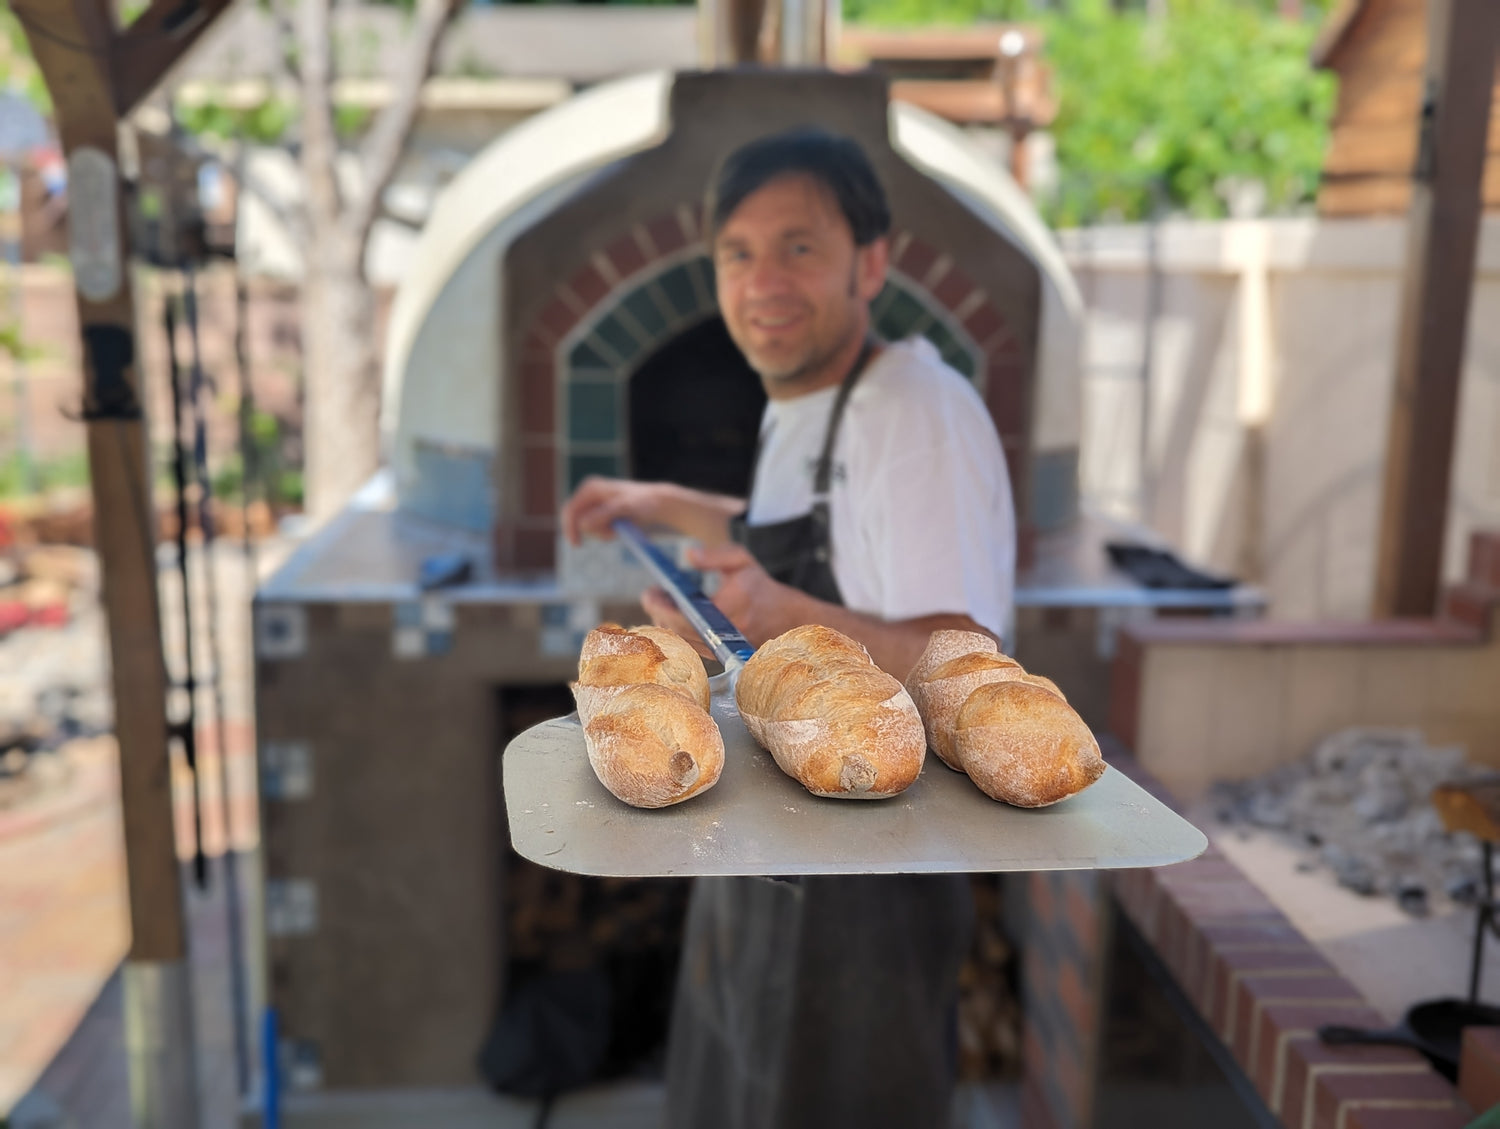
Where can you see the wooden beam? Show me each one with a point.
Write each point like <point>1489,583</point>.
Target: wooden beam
<point>72,46</point>
<point>1442,240</point>
<point>145,51</point>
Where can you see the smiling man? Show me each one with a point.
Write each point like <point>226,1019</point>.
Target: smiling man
<point>879,506</point>
<point>880,502</point>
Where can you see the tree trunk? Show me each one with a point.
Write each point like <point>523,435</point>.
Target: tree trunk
<point>341,377</point>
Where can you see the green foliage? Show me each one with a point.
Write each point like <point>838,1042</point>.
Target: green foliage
<point>1180,111</point>
<point>263,124</point>
<point>350,121</point>
<point>914,13</point>
<point>15,346</point>
<point>1177,113</point>
<point>616,3</point>
<point>279,482</point>
<point>17,69</point>
<point>62,472</point>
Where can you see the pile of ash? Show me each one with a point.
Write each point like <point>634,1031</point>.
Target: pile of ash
<point>1360,806</point>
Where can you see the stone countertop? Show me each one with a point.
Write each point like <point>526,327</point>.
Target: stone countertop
<point>370,551</point>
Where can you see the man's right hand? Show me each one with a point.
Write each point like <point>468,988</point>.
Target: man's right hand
<point>599,501</point>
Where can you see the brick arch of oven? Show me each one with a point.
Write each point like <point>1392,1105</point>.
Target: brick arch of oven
<point>655,282</point>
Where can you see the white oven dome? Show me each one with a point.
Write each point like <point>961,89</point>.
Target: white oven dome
<point>445,377</point>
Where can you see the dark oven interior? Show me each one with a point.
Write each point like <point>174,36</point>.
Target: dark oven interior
<point>693,412</point>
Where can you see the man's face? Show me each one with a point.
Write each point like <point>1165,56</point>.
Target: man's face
<point>793,288</point>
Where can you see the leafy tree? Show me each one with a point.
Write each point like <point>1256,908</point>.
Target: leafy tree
<point>1181,112</point>
<point>334,218</point>
<point>914,13</point>
<point>17,69</point>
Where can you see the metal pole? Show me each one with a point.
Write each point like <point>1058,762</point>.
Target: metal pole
<point>160,1044</point>
<point>1485,916</point>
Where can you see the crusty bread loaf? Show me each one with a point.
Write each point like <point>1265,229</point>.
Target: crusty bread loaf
<point>948,644</point>
<point>614,657</point>
<point>1023,744</point>
<point>1011,732</point>
<point>652,747</point>
<point>1045,683</point>
<point>954,664</point>
<point>831,718</point>
<point>642,697</point>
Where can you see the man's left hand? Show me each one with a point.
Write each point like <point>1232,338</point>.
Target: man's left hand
<point>760,607</point>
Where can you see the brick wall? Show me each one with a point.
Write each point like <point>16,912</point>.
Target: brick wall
<point>1062,977</point>
<point>1259,986</point>
<point>960,317</point>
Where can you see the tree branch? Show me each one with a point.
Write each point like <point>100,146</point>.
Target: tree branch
<point>289,215</point>
<point>154,43</point>
<point>320,143</point>
<point>386,140</point>
<point>286,39</point>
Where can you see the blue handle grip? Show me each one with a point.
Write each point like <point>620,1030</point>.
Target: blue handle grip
<point>729,646</point>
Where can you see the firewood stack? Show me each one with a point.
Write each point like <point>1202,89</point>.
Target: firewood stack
<point>989,1009</point>
<point>566,921</point>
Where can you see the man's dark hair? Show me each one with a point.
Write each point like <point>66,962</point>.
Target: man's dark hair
<point>836,162</point>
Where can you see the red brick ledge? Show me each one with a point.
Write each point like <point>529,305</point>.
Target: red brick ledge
<point>1265,990</point>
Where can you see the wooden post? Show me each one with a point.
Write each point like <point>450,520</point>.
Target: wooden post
<point>95,75</point>
<point>124,525</point>
<point>1442,239</point>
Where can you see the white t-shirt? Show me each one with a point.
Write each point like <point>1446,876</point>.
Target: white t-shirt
<point>922,517</point>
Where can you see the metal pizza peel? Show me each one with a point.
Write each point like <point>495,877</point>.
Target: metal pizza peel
<point>758,820</point>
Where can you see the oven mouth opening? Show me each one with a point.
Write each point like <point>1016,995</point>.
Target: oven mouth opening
<point>693,410</point>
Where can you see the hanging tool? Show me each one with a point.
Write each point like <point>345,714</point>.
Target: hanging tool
<point>251,486</point>
<point>184,730</point>
<point>197,388</point>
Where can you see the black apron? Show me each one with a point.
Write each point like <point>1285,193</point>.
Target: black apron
<point>828,1003</point>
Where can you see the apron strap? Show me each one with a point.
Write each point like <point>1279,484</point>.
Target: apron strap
<point>822,519</point>
<point>823,476</point>
<point>823,473</point>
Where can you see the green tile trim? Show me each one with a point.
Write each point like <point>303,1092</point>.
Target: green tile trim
<point>581,466</point>
<point>593,411</point>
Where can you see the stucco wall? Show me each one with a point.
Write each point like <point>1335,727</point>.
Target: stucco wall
<point>1270,383</point>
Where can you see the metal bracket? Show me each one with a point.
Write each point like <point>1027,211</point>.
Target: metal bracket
<point>111,351</point>
<point>1426,166</point>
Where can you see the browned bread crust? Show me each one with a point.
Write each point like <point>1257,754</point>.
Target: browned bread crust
<point>613,657</point>
<point>953,666</point>
<point>830,717</point>
<point>1023,744</point>
<point>1011,732</point>
<point>643,699</point>
<point>651,747</point>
